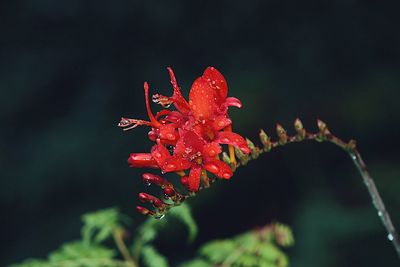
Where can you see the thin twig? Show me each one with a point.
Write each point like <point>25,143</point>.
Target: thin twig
<point>119,241</point>
<point>324,135</point>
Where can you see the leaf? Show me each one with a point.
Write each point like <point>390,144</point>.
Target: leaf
<point>217,251</point>
<point>152,258</point>
<point>100,225</point>
<point>195,263</point>
<point>184,214</point>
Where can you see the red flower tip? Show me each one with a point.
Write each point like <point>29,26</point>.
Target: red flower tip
<point>144,197</point>
<point>144,211</point>
<point>149,178</point>
<point>142,160</point>
<point>169,191</point>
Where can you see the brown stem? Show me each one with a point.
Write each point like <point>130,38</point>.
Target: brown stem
<point>119,241</point>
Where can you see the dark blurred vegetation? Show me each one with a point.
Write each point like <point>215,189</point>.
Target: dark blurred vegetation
<point>70,69</point>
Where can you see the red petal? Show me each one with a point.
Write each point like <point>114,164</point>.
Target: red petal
<point>176,163</point>
<point>193,142</point>
<point>202,99</point>
<point>234,139</point>
<point>219,168</point>
<point>168,134</point>
<point>179,101</point>
<point>160,153</point>
<point>233,102</point>
<point>142,160</point>
<point>217,82</point>
<point>194,178</point>
<point>212,149</point>
<point>221,122</point>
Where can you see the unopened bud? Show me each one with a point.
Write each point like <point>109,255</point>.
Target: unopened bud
<point>243,158</point>
<point>149,178</point>
<point>323,129</point>
<point>144,211</point>
<point>144,197</point>
<point>281,132</point>
<point>265,140</point>
<point>255,151</point>
<point>351,145</point>
<point>169,191</point>
<point>301,132</point>
<point>225,158</point>
<point>142,160</point>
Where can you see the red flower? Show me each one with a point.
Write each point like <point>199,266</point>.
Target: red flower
<point>195,130</point>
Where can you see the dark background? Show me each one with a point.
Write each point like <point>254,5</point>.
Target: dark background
<point>70,69</point>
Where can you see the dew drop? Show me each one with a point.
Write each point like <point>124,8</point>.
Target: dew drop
<point>171,166</point>
<point>380,214</point>
<point>159,217</point>
<point>390,237</point>
<point>354,157</point>
<point>225,140</point>
<point>170,136</point>
<point>146,183</point>
<point>158,155</point>
<point>212,153</point>
<point>213,168</point>
<point>226,175</point>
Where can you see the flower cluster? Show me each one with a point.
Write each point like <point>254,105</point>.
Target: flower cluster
<point>188,140</point>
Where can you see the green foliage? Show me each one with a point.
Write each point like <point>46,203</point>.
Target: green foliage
<point>152,258</point>
<point>105,224</point>
<point>88,252</point>
<point>100,225</point>
<point>252,249</point>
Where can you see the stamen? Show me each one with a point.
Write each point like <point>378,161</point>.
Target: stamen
<point>230,147</point>
<point>153,120</point>
<point>128,124</point>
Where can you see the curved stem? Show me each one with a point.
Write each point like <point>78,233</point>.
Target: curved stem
<point>119,241</point>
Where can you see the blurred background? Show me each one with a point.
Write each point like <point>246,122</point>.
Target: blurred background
<point>70,69</point>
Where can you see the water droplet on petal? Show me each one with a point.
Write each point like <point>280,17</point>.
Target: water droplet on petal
<point>226,175</point>
<point>146,183</point>
<point>225,140</point>
<point>212,152</point>
<point>390,237</point>
<point>171,166</point>
<point>159,217</point>
<point>213,168</point>
<point>157,155</point>
<point>170,136</point>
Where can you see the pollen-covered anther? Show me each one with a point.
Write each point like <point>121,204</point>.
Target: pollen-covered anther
<point>281,132</point>
<point>164,101</point>
<point>128,124</point>
<point>157,203</point>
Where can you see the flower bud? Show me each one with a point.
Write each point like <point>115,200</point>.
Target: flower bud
<point>255,151</point>
<point>142,160</point>
<point>144,211</point>
<point>265,140</point>
<point>149,178</point>
<point>281,132</point>
<point>169,191</point>
<point>144,197</point>
<point>301,132</point>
